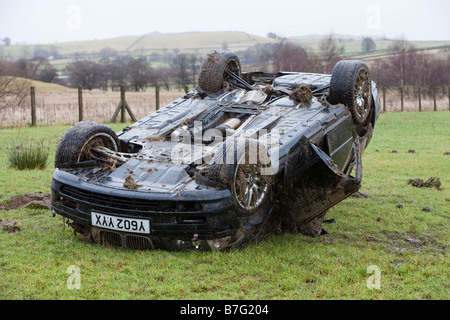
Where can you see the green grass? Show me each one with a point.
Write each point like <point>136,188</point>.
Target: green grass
<point>409,246</point>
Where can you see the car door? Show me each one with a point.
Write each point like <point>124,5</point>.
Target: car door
<point>313,182</point>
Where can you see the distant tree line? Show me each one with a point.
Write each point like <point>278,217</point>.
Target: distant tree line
<point>404,65</point>
<point>37,68</point>
<point>409,68</point>
<point>288,56</point>
<point>135,73</point>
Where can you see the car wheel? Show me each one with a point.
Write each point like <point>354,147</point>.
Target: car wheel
<point>78,143</point>
<point>212,77</point>
<point>351,85</point>
<point>243,167</point>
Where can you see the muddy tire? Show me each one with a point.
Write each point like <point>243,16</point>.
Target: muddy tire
<point>212,77</point>
<point>242,167</point>
<point>76,144</point>
<point>351,85</point>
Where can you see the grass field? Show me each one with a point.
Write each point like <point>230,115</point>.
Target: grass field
<point>401,230</point>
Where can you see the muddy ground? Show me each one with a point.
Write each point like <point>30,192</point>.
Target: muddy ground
<point>34,200</point>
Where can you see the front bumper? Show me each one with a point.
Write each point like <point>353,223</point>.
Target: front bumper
<point>175,218</point>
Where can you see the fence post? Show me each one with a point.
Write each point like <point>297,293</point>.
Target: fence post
<point>401,97</point>
<point>122,108</point>
<point>80,103</point>
<point>384,99</point>
<point>448,89</point>
<point>33,106</point>
<point>123,105</point>
<point>420,99</point>
<point>157,96</point>
<point>434,98</point>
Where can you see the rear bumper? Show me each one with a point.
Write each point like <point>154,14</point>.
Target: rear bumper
<point>206,215</point>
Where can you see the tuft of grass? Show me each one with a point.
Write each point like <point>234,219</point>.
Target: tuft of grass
<point>28,156</point>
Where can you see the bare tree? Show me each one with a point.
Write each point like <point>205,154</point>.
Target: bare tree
<point>163,76</point>
<point>399,50</point>
<point>38,68</point>
<point>368,45</point>
<point>193,61</point>
<point>330,53</point>
<point>13,90</point>
<point>138,72</point>
<point>84,73</point>
<point>290,57</point>
<point>181,63</point>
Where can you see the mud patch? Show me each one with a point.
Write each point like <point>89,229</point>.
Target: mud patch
<point>302,94</point>
<point>130,184</point>
<point>154,138</point>
<point>407,241</point>
<point>361,195</point>
<point>35,200</point>
<point>430,183</point>
<point>10,226</point>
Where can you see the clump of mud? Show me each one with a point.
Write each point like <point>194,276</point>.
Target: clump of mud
<point>10,226</point>
<point>302,94</point>
<point>154,138</point>
<point>130,184</point>
<point>35,200</point>
<point>267,89</point>
<point>430,183</point>
<point>361,195</point>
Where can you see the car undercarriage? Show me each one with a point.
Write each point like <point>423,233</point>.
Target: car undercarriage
<point>243,156</point>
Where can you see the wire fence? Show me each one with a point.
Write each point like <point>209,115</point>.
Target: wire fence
<point>72,105</point>
<point>415,99</point>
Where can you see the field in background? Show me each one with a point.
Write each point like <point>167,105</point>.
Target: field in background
<point>190,42</point>
<point>400,230</point>
<point>200,43</point>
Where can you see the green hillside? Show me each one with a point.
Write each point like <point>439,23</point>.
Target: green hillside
<point>183,42</point>
<point>42,86</point>
<point>198,43</point>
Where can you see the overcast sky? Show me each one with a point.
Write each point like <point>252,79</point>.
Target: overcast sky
<point>48,21</point>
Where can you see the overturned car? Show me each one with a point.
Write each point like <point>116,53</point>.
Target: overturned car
<point>244,156</point>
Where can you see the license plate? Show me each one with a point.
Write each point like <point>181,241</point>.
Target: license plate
<point>119,223</point>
